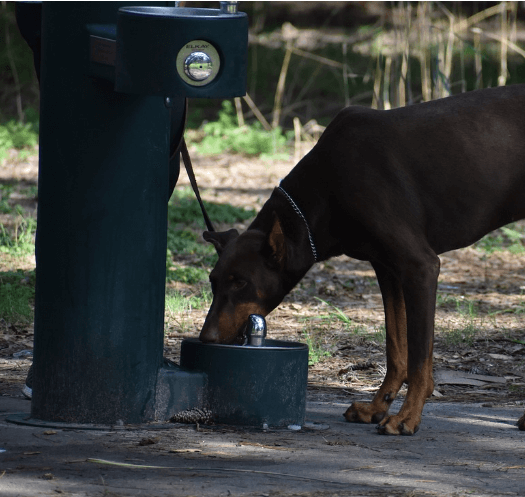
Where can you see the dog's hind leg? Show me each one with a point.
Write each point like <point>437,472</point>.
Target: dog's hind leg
<point>396,352</point>
<point>418,270</point>
<point>521,423</point>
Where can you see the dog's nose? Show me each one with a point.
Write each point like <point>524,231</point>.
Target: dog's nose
<point>209,335</point>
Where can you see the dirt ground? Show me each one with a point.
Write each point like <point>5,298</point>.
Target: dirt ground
<point>468,444</point>
<point>480,319</point>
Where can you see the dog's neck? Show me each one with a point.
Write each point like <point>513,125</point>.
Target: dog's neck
<point>300,230</point>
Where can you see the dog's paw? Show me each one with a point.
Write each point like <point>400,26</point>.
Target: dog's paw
<point>521,423</point>
<point>359,412</point>
<point>393,425</point>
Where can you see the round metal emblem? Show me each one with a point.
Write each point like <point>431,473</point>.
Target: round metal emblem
<point>198,63</point>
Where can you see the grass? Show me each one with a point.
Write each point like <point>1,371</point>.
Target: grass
<point>517,389</point>
<point>7,206</point>
<point>177,302</point>
<point>21,240</point>
<point>444,56</point>
<point>189,259</point>
<point>184,209</point>
<point>508,238</point>
<point>184,242</point>
<point>316,351</point>
<point>337,315</point>
<point>180,305</point>
<point>465,307</point>
<point>185,235</point>
<point>17,294</point>
<point>468,312</point>
<point>378,335</point>
<point>518,309</point>
<point>463,335</point>
<point>19,135</point>
<point>189,275</point>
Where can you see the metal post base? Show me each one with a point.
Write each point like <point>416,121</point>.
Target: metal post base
<point>177,390</point>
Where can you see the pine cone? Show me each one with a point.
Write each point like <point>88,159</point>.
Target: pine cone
<point>193,416</point>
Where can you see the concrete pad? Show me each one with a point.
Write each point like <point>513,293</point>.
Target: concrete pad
<point>461,449</point>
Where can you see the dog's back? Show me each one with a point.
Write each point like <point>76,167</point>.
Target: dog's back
<point>436,164</point>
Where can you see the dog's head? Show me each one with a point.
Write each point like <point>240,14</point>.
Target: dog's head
<point>247,279</point>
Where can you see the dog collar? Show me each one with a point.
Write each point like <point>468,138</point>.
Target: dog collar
<point>300,214</point>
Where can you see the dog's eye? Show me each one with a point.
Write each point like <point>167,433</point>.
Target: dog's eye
<point>238,284</point>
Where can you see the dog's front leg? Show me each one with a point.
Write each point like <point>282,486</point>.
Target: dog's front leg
<point>419,281</point>
<point>396,352</point>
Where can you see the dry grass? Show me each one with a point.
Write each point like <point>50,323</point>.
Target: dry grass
<point>417,52</point>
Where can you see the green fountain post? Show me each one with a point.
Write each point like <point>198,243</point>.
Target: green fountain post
<point>111,84</point>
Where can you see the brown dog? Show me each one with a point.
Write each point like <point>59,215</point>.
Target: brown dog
<point>395,188</point>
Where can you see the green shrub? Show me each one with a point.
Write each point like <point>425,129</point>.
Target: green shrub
<point>224,135</point>
<point>14,134</point>
<point>5,193</point>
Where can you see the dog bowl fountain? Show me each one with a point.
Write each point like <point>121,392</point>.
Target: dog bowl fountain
<point>262,383</point>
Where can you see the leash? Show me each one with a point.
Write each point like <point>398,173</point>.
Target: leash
<point>189,169</point>
<point>183,149</point>
<point>300,214</point>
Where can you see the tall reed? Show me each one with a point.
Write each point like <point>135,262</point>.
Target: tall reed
<point>427,50</point>
<point>436,39</point>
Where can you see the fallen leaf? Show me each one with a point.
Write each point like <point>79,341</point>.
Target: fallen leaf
<point>255,444</point>
<point>359,468</point>
<point>501,357</point>
<point>184,451</point>
<point>445,377</point>
<point>218,453</point>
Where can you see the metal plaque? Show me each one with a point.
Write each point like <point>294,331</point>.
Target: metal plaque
<point>198,62</point>
<point>103,50</point>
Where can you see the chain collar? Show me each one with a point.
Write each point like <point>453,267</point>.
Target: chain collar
<point>300,214</point>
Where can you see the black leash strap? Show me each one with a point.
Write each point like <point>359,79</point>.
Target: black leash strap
<point>189,169</point>
<point>183,149</point>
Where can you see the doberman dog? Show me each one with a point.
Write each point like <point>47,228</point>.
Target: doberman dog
<point>395,188</point>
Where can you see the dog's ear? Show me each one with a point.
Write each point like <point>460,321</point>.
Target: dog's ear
<point>220,238</point>
<point>277,242</point>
